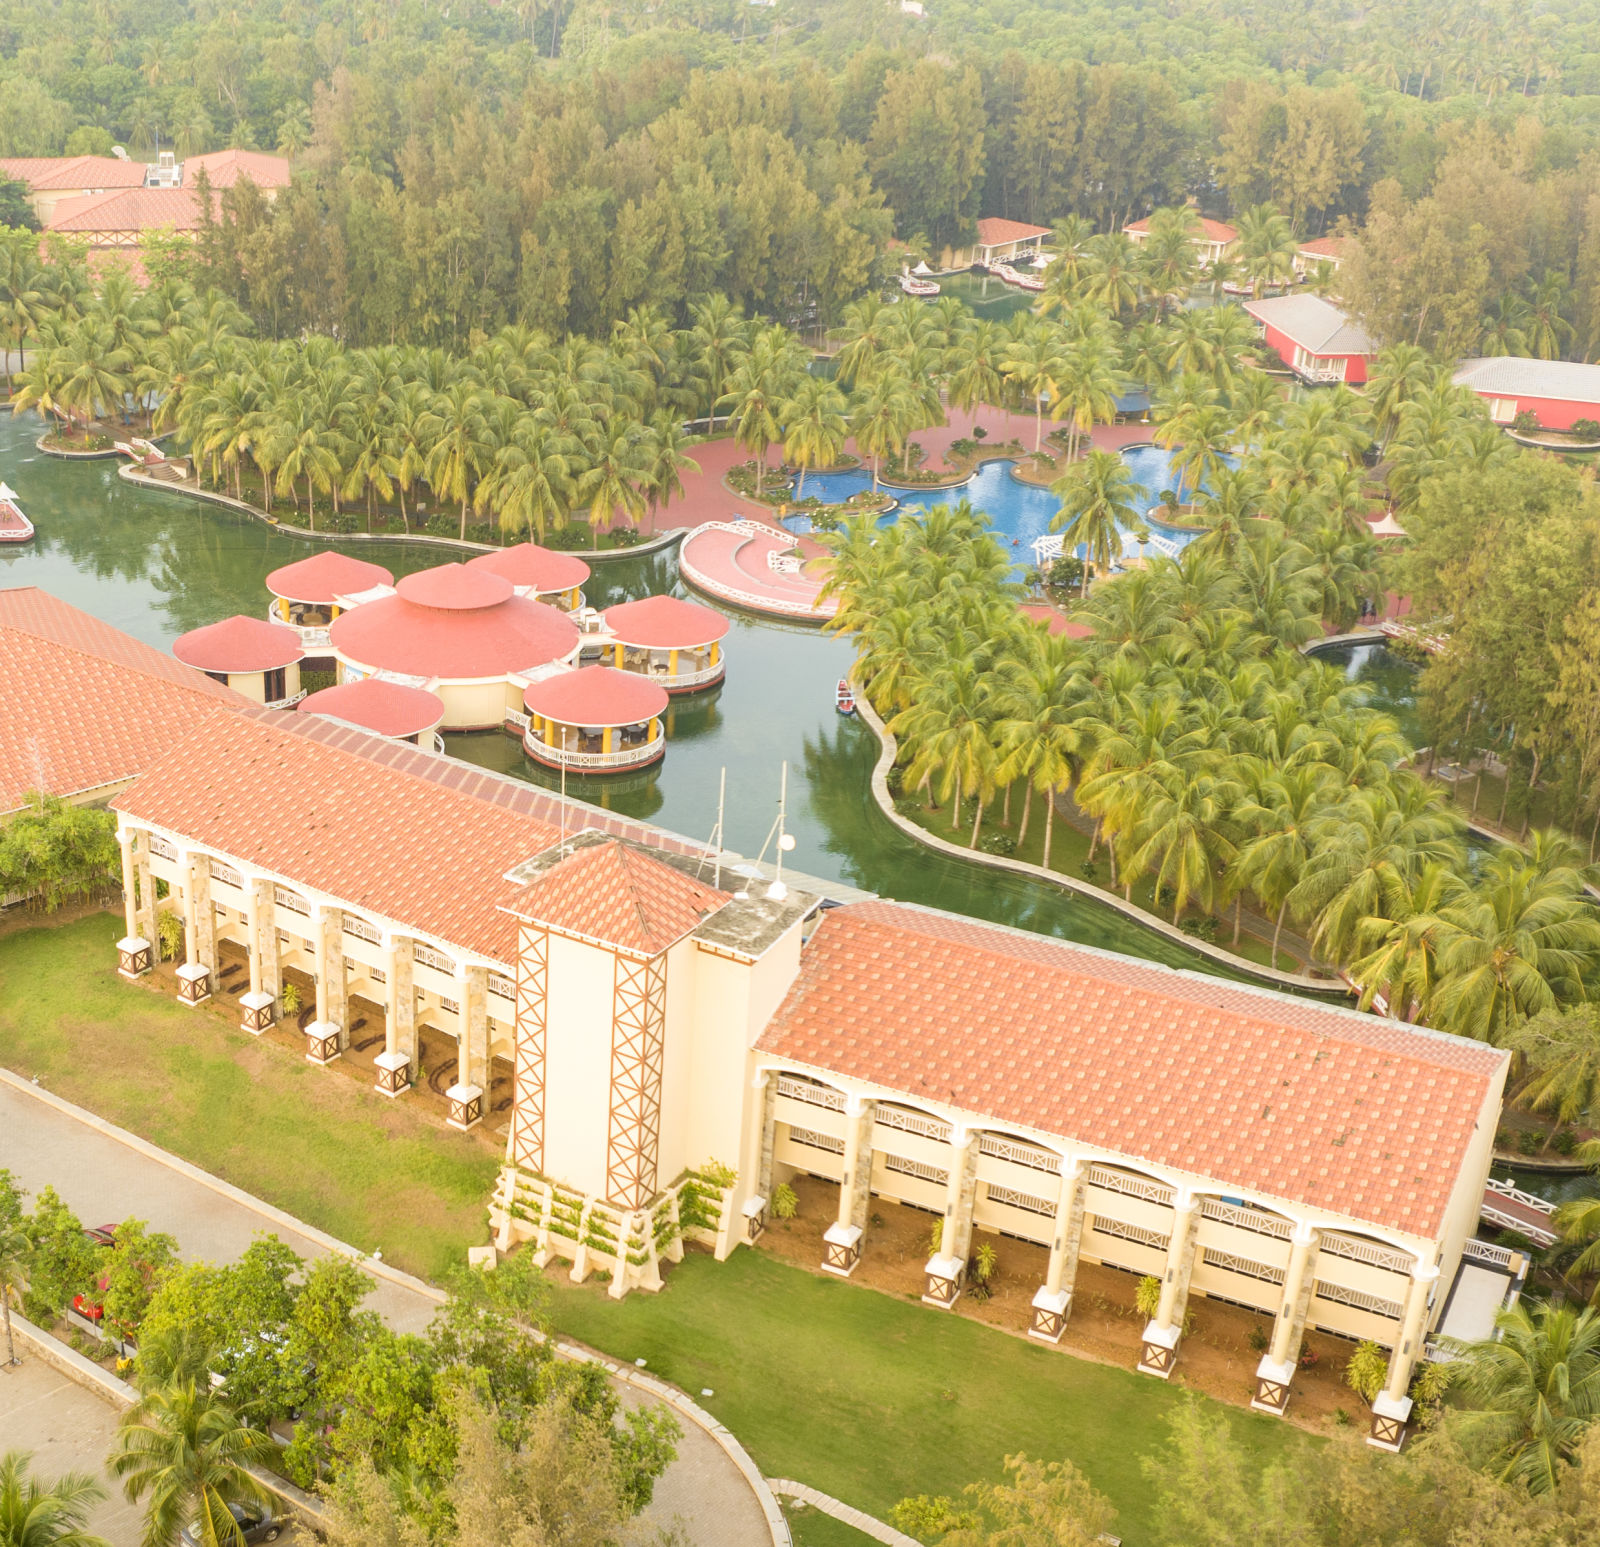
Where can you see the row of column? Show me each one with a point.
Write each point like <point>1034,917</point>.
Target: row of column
<point>327,1036</point>
<point>1052,1303</point>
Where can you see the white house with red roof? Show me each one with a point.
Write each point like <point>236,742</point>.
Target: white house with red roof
<point>1558,393</point>
<point>998,241</point>
<point>1318,341</point>
<point>1311,255</point>
<point>1212,238</point>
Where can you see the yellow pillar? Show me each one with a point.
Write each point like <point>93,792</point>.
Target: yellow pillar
<point>283,608</point>
<point>606,738</point>
<point>655,729</point>
<point>716,653</point>
<point>334,611</point>
<point>616,655</point>
<point>672,663</point>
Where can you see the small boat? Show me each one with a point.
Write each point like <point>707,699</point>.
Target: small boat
<point>921,288</point>
<point>14,526</point>
<point>844,698</point>
<point>1230,288</point>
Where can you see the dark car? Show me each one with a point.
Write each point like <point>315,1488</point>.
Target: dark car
<point>255,1525</point>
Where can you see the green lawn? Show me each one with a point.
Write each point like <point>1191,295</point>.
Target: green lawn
<point>869,1398</point>
<point>811,1528</point>
<point>310,1140</point>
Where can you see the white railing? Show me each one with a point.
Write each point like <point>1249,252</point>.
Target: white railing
<point>570,757</point>
<point>1357,1250</point>
<point>226,874</point>
<point>159,845</point>
<point>377,974</point>
<point>287,899</point>
<point>1528,1200</point>
<point>434,743</point>
<point>432,958</point>
<point>517,718</point>
<point>912,1122</point>
<point>1123,1231</point>
<point>814,1095</point>
<point>736,594</point>
<point>684,679</point>
<point>503,986</point>
<point>1488,1252</point>
<point>1018,1153</point>
<point>1021,1200</point>
<point>361,929</point>
<point>917,1168</point>
<point>1132,1186</point>
<point>285,703</point>
<point>1359,1300</point>
<point>1257,1220</point>
<point>783,563</point>
<point>449,1006</point>
<point>817,1141</point>
<point>1540,1235</point>
<point>310,635</point>
<point>1230,1262</point>
<point>1050,547</point>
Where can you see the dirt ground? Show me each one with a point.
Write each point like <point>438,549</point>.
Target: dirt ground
<point>1216,1357</point>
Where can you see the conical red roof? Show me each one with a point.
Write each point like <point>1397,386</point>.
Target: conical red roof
<point>540,569</point>
<point>596,695</point>
<point>324,576</point>
<point>665,623</point>
<point>455,588</point>
<point>455,644</point>
<point>238,644</point>
<point>385,708</point>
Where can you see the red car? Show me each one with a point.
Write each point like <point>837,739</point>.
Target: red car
<point>92,1309</point>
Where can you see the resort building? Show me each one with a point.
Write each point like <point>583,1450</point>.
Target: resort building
<point>84,708</point>
<point>595,720</point>
<point>1558,393</point>
<point>1212,238</point>
<point>1323,249</point>
<point>388,709</point>
<point>460,632</point>
<point>257,659</point>
<point>50,180</point>
<point>542,573</point>
<point>1317,341</point>
<point>676,644</point>
<point>998,241</point>
<point>627,1003</point>
<point>310,593</point>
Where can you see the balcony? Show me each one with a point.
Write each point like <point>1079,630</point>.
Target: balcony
<point>587,754</point>
<point>313,634</point>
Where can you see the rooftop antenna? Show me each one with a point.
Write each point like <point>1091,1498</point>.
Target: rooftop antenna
<point>778,891</point>
<point>716,835</point>
<point>562,845</point>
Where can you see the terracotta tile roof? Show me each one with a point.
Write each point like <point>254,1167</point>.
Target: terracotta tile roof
<point>128,209</point>
<point>82,704</point>
<point>1213,230</point>
<point>1326,246</point>
<point>415,838</point>
<point>614,894</point>
<point>1316,1106</point>
<point>238,644</point>
<point>993,231</point>
<point>52,172</point>
<point>224,168</point>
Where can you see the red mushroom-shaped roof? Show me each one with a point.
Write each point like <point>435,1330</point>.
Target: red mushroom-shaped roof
<point>318,580</point>
<point>385,708</point>
<point>455,644</point>
<point>665,623</point>
<point>238,644</point>
<point>455,588</point>
<point>596,695</point>
<point>540,569</point>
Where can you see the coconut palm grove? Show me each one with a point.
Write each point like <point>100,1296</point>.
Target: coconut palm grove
<point>1066,1008</point>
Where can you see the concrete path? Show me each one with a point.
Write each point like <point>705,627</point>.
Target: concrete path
<point>867,1525</point>
<point>105,1175</point>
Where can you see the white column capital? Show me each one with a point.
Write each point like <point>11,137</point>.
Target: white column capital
<point>961,1138</point>
<point>855,1103</point>
<point>1185,1202</point>
<point>1425,1272</point>
<point>758,1080</point>
<point>1304,1233</point>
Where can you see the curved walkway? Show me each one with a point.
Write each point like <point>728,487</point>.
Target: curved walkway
<point>865,1524</point>
<point>732,561</point>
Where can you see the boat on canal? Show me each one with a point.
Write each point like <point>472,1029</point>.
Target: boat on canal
<point>14,526</point>
<point>844,698</point>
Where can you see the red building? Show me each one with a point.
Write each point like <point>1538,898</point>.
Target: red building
<point>1557,393</point>
<point>1318,342</point>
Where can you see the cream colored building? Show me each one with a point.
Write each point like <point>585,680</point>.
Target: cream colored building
<point>657,1011</point>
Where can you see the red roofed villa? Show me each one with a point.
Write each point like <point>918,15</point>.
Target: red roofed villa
<point>1212,238</point>
<point>1558,393</point>
<point>595,720</point>
<point>310,593</point>
<point>257,659</point>
<point>998,241</point>
<point>1317,341</point>
<point>542,573</point>
<point>388,709</point>
<point>676,644</point>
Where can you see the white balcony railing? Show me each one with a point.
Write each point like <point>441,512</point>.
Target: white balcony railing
<point>1369,1252</point>
<point>432,958</point>
<point>286,703</point>
<point>1017,1153</point>
<point>684,679</point>
<point>1021,1200</point>
<point>812,1095</point>
<point>817,1141</point>
<point>917,1168</point>
<point>1231,1262</point>
<point>571,757</point>
<point>1246,1219</point>
<point>1487,1252</point>
<point>913,1122</point>
<point>159,845</point>
<point>1359,1300</point>
<point>1131,1186</point>
<point>1123,1230</point>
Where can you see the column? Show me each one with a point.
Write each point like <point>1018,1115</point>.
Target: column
<point>134,950</point>
<point>1052,1302</point>
<point>325,1036</point>
<point>399,1020</point>
<point>472,1041</point>
<point>841,1241</point>
<point>1275,1373</point>
<point>194,978</point>
<point>946,1269</point>
<point>146,913</point>
<point>1391,1409</point>
<point>1165,1328</point>
<point>259,1008</point>
<point>755,1168</point>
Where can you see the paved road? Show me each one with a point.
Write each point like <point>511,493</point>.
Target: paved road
<point>102,1179</point>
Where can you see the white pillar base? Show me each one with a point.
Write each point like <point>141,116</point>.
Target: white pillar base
<point>754,1212</point>
<point>194,983</point>
<point>841,1249</point>
<point>945,1275</point>
<point>1272,1386</point>
<point>1390,1416</point>
<point>394,1074</point>
<point>322,1042</point>
<point>1050,1312</point>
<point>466,1106</point>
<point>1159,1350</point>
<point>257,1009</point>
<point>134,956</point>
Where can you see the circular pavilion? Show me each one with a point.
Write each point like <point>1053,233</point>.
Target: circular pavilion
<point>676,644</point>
<point>388,709</point>
<point>261,660</point>
<point>463,633</point>
<point>542,573</point>
<point>310,593</point>
<point>594,720</point>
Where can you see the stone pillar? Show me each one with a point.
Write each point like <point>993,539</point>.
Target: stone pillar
<point>472,1042</point>
<point>325,1036</point>
<point>1052,1302</point>
<point>1164,1330</point>
<point>194,976</point>
<point>841,1241</point>
<point>946,1269</point>
<point>756,1161</point>
<point>146,913</point>
<point>399,1021</point>
<point>258,1006</point>
<point>135,951</point>
<point>1391,1409</point>
<point>1275,1373</point>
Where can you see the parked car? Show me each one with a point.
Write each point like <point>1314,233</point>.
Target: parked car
<point>102,1235</point>
<point>255,1525</point>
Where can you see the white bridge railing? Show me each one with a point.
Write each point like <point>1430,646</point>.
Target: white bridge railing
<point>1050,547</point>
<point>736,594</point>
<point>623,757</point>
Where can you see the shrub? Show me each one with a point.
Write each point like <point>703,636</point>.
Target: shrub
<point>717,1174</point>
<point>1528,1142</point>
<point>1526,422</point>
<point>1147,1296</point>
<point>62,1260</point>
<point>1088,870</point>
<point>1586,429</point>
<point>342,523</point>
<point>170,929</point>
<point>1066,570</point>
<point>979,431</point>
<point>575,534</point>
<point>985,1260</point>
<point>1309,1359</point>
<point>1259,1338</point>
<point>291,998</point>
<point>936,1238</point>
<point>1203,927</point>
<point>51,851</point>
<point>626,537</point>
<point>931,1518</point>
<point>1004,844</point>
<point>1564,1142</point>
<point>963,446</point>
<point>785,1205</point>
<point>1367,1370</point>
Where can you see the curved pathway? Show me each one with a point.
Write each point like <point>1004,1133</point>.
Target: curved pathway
<point>867,1525</point>
<point>733,561</point>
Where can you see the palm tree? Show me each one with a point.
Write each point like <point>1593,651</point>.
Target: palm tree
<point>949,728</point>
<point>1112,271</point>
<point>1561,1051</point>
<point>1532,1390</point>
<point>1199,438</point>
<point>455,434</point>
<point>38,1514</point>
<point>1266,246</point>
<point>1099,500</point>
<point>885,412</point>
<point>14,1249</point>
<point>191,1454</point>
<point>719,338</point>
<point>972,372</point>
<point>1034,364</point>
<point>1279,819</point>
<point>761,380</point>
<point>1063,280</point>
<point>1171,263</point>
<point>1183,833</point>
<point>612,480</point>
<point>531,484</point>
<point>1548,328</point>
<point>1088,387</point>
<point>813,426</point>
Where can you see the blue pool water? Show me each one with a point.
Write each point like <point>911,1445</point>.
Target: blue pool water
<point>1019,512</point>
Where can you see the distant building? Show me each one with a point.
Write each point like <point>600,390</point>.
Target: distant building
<point>1323,249</point>
<point>1212,239</point>
<point>1317,340</point>
<point>999,241</point>
<point>52,179</point>
<point>1557,393</point>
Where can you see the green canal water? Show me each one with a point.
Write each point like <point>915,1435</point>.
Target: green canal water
<point>157,564</point>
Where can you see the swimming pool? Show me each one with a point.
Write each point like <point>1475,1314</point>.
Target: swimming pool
<point>1019,512</point>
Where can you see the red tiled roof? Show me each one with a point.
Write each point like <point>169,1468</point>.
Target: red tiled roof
<point>238,644</point>
<point>1214,230</point>
<point>1326,246</point>
<point>612,893</point>
<point>128,209</point>
<point>394,634</point>
<point>224,168</point>
<point>62,670</point>
<point>596,695</point>
<point>326,575</point>
<point>455,588</point>
<point>993,231</point>
<point>665,623</point>
<point>1357,1115</point>
<point>384,708</point>
<point>540,569</point>
<point>42,173</point>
